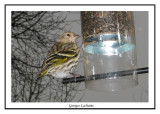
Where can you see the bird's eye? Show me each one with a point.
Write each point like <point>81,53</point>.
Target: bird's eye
<point>68,34</point>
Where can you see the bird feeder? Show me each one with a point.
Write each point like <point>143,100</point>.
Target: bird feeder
<point>108,46</point>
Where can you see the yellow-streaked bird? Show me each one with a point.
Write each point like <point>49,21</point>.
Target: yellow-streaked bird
<point>62,58</point>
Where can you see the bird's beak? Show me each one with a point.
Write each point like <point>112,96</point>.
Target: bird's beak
<point>77,36</point>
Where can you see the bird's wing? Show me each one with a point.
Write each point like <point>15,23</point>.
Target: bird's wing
<point>52,62</point>
<point>57,57</point>
<point>60,51</point>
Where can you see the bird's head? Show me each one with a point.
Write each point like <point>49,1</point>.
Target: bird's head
<point>68,37</point>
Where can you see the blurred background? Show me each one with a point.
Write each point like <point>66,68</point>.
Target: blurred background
<point>33,34</point>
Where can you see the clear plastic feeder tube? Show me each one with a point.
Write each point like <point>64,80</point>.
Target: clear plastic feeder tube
<point>109,46</point>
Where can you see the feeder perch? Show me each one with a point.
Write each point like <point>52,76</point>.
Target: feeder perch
<point>106,75</point>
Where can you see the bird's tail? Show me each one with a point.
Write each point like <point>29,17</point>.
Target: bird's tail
<point>39,75</point>
<point>37,78</point>
<point>43,72</point>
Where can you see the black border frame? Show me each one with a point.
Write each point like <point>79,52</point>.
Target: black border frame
<point>5,5</point>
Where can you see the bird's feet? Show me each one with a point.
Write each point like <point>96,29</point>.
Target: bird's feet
<point>75,75</point>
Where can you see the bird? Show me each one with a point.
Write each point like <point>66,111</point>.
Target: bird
<point>63,57</point>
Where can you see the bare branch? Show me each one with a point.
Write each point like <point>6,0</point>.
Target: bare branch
<point>33,33</point>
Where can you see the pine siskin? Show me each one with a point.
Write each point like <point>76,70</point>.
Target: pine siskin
<point>62,58</point>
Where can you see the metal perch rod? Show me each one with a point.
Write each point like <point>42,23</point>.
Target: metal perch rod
<point>106,75</point>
